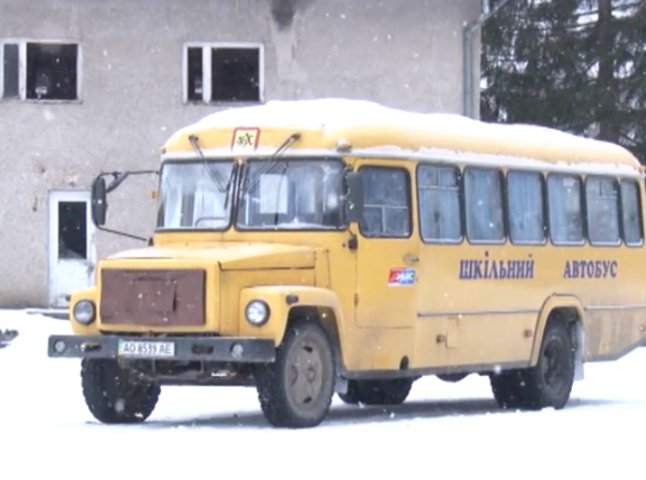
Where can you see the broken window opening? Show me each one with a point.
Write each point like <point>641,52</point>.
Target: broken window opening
<point>223,73</point>
<point>235,75</point>
<point>10,71</point>
<point>51,71</point>
<point>195,76</point>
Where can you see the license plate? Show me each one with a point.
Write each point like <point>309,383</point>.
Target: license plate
<point>145,349</point>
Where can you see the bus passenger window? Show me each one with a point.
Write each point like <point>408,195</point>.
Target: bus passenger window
<point>602,201</point>
<point>439,203</point>
<point>564,204</point>
<point>483,199</point>
<point>631,213</point>
<point>386,202</point>
<point>525,207</point>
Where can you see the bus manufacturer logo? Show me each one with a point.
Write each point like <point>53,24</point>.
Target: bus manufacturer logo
<point>401,276</point>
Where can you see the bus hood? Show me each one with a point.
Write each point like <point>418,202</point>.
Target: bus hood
<point>231,256</point>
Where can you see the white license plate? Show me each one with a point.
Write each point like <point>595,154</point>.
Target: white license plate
<point>145,349</point>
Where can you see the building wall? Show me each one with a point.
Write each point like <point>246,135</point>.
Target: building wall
<point>402,53</point>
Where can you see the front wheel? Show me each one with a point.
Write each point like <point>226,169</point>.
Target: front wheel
<point>114,394</point>
<point>296,390</point>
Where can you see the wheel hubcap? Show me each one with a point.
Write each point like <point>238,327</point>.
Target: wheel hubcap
<point>305,379</point>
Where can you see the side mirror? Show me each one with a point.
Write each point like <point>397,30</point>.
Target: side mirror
<point>354,197</point>
<point>99,201</point>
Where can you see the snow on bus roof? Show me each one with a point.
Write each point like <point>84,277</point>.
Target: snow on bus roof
<point>338,115</point>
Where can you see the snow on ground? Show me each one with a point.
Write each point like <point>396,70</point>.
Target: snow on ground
<point>442,431</point>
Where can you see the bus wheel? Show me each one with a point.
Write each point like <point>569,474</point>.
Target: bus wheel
<point>296,390</point>
<point>506,387</point>
<point>452,377</point>
<point>351,396</point>
<point>549,383</point>
<point>379,392</point>
<point>114,395</point>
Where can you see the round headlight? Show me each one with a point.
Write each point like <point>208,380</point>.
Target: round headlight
<point>257,312</point>
<point>84,312</point>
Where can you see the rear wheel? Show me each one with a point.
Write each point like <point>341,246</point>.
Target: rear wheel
<point>549,383</point>
<point>377,392</point>
<point>116,395</point>
<point>296,390</point>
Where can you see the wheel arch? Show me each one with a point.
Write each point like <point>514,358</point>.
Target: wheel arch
<point>569,310</point>
<point>290,303</point>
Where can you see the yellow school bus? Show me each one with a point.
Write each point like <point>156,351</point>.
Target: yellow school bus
<point>332,246</point>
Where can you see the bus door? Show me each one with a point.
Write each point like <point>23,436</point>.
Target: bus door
<point>387,253</point>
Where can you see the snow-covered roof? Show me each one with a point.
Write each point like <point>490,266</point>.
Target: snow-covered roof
<point>368,126</point>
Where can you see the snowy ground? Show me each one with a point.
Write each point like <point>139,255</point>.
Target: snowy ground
<point>442,431</point>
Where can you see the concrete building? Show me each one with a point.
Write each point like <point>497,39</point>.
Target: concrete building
<point>92,85</point>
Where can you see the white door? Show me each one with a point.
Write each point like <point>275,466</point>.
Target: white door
<point>72,251</point>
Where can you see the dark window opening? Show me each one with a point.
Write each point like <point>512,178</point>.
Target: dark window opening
<point>51,71</point>
<point>195,77</point>
<point>10,69</point>
<point>235,75</point>
<point>72,230</point>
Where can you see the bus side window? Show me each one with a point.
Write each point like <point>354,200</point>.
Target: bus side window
<point>386,211</point>
<point>526,216</point>
<point>602,202</point>
<point>483,205</point>
<point>439,204</point>
<point>632,228</point>
<point>564,207</point>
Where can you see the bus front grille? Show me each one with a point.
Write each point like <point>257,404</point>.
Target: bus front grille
<point>155,298</point>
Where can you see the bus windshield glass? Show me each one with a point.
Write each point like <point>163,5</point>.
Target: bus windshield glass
<point>195,195</point>
<point>292,194</point>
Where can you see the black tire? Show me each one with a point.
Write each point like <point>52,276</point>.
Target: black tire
<point>115,395</point>
<point>377,392</point>
<point>351,396</point>
<point>549,383</point>
<point>506,387</point>
<point>296,390</point>
<point>452,377</point>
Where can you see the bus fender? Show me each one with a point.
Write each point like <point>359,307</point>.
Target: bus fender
<point>283,299</point>
<point>570,308</point>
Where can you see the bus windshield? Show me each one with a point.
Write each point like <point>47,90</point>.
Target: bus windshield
<point>292,194</point>
<point>195,195</point>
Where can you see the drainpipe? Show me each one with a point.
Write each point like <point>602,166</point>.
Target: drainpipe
<point>468,66</point>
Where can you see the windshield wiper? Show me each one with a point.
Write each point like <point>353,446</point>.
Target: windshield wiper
<point>216,176</point>
<point>273,164</point>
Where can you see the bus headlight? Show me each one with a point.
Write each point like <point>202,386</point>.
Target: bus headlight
<point>257,312</point>
<point>84,312</point>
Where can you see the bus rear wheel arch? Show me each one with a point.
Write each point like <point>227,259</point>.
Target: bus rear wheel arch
<point>549,382</point>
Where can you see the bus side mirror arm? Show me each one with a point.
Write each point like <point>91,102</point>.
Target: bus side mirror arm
<point>354,197</point>
<point>99,202</point>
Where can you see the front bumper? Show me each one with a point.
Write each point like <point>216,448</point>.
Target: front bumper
<point>219,349</point>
